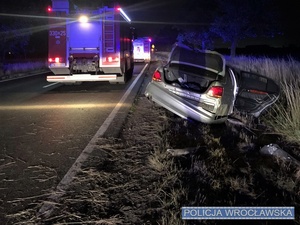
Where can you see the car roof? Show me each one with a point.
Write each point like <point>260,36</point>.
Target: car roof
<point>209,60</point>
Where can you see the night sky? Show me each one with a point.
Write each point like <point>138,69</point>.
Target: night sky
<point>149,16</point>
<point>156,14</point>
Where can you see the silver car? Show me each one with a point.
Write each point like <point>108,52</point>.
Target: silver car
<point>198,85</point>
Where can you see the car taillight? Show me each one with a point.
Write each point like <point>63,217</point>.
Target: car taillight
<point>156,76</point>
<point>215,91</point>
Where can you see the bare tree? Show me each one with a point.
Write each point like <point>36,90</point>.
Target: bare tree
<point>197,16</point>
<point>237,20</point>
<point>197,39</point>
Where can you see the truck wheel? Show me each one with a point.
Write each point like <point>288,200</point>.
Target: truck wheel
<point>129,72</point>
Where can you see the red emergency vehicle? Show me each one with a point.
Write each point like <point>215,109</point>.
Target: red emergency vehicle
<point>89,45</point>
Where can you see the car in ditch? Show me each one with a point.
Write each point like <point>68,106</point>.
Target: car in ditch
<point>198,85</point>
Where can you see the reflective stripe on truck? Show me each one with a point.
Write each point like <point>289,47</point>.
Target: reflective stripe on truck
<point>81,78</point>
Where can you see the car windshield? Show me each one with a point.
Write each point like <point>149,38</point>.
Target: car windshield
<point>206,60</point>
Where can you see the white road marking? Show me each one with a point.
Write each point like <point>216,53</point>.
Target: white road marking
<point>49,85</point>
<point>48,205</point>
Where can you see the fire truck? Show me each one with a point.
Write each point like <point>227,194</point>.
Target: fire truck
<point>89,44</point>
<point>142,49</point>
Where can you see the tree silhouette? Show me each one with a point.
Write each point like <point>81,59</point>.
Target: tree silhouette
<point>20,24</point>
<point>197,16</point>
<point>237,20</point>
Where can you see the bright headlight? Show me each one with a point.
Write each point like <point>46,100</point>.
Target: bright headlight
<point>83,19</point>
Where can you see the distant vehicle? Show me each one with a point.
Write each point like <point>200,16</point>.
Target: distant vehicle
<point>142,49</point>
<point>89,45</point>
<point>198,85</point>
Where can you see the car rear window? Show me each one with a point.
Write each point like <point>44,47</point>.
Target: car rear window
<point>206,60</point>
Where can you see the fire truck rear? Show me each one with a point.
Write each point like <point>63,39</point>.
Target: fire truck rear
<point>142,49</point>
<point>89,45</point>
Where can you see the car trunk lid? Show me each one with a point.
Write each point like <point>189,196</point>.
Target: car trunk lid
<point>208,60</point>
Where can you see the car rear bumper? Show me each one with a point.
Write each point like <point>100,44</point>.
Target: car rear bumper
<point>181,106</point>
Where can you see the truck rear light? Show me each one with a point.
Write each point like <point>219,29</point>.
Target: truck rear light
<point>112,59</point>
<point>156,76</point>
<point>215,91</point>
<point>55,60</point>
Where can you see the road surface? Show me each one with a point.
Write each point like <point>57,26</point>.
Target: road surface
<point>44,128</point>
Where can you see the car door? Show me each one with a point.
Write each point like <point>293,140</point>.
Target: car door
<point>255,92</point>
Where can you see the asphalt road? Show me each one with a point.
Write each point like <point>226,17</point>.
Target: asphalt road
<point>44,128</point>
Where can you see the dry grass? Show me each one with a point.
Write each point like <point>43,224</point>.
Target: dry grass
<point>221,173</point>
<point>170,190</point>
<point>286,113</point>
<point>278,69</point>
